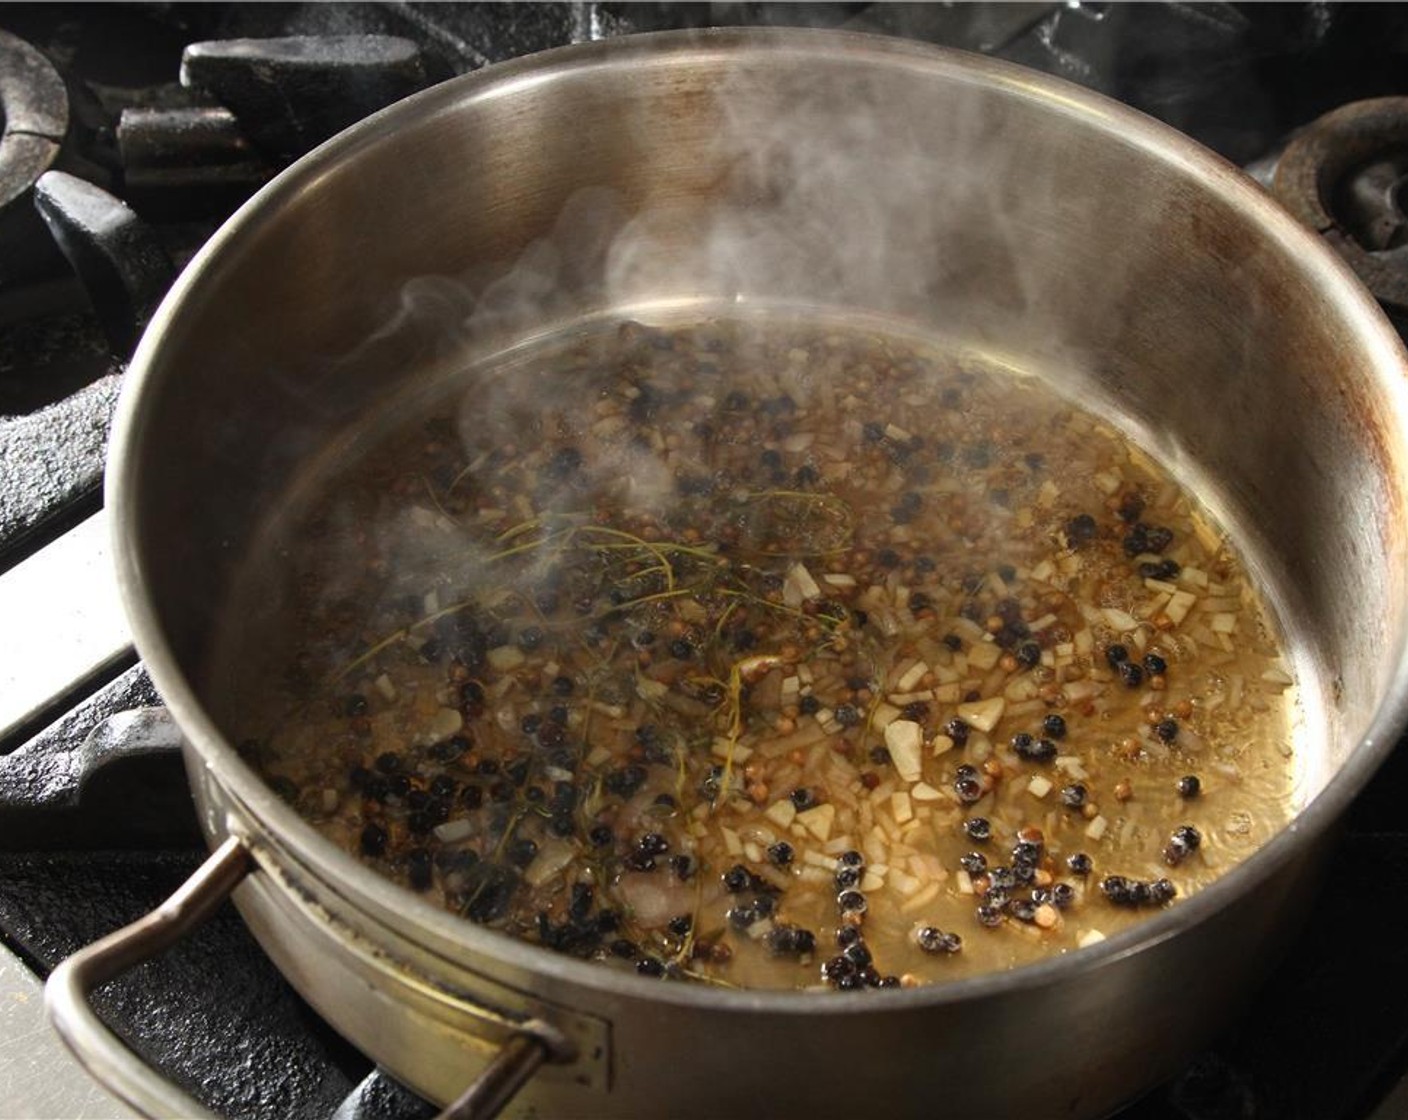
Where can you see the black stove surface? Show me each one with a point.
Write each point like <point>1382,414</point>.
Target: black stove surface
<point>86,846</point>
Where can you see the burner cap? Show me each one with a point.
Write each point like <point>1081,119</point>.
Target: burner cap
<point>1346,176</point>
<point>34,115</point>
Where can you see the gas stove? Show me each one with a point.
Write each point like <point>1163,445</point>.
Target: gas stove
<point>132,131</point>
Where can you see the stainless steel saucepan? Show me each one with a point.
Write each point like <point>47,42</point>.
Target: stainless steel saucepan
<point>1038,223</point>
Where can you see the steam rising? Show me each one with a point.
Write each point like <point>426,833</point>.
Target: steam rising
<point>869,195</point>
<point>860,193</point>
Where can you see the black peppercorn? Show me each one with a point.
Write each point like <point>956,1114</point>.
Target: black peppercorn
<point>847,877</point>
<point>803,797</point>
<point>419,869</point>
<point>1080,530</point>
<point>1117,889</point>
<point>601,836</point>
<point>858,953</point>
<point>1161,569</point>
<point>681,925</point>
<point>917,711</point>
<point>934,940</point>
<point>835,969</point>
<point>740,917</point>
<point>447,750</point>
<point>1184,842</point>
<point>682,866</point>
<point>1023,909</point>
<point>455,861</point>
<point>625,781</point>
<point>388,763</point>
<point>522,852</point>
<point>1131,506</point>
<point>373,840</point>
<point>1157,538</point>
<point>551,733</point>
<point>737,879</point>
<point>1034,750</point>
<point>1026,851</point>
<point>789,941</point>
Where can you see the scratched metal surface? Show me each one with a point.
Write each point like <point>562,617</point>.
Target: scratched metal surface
<point>39,1078</point>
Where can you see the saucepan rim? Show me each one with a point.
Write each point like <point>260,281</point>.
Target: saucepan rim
<point>463,942</point>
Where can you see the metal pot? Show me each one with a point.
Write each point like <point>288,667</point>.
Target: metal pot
<point>1042,224</point>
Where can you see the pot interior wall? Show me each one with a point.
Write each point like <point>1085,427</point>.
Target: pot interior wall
<point>950,194</point>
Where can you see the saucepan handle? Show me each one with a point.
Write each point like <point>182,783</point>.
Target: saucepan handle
<point>111,1062</point>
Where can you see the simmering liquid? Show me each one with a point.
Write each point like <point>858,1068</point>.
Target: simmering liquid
<point>768,654</point>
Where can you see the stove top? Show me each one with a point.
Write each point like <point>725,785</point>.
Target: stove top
<point>161,118</point>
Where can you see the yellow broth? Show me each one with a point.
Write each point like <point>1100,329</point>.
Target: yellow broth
<point>771,655</point>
